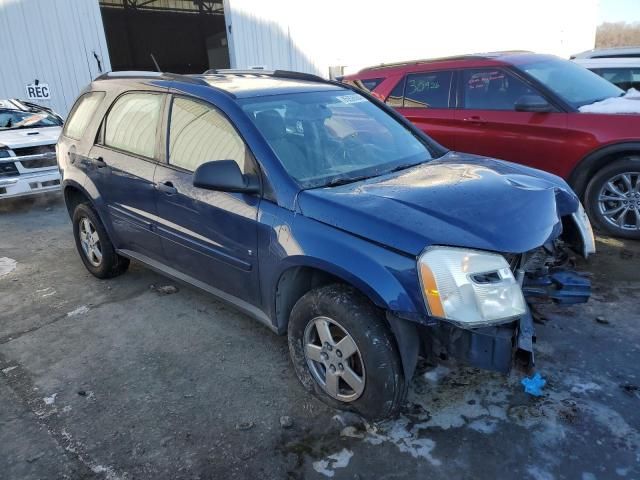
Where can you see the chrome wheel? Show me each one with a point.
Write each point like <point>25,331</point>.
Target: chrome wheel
<point>333,359</point>
<point>90,241</point>
<point>619,201</point>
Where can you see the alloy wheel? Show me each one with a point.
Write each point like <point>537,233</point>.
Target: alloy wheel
<point>333,359</point>
<point>90,241</point>
<point>619,201</point>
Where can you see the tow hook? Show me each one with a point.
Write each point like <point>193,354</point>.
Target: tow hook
<point>565,287</point>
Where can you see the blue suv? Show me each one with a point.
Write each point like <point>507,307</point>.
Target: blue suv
<point>325,215</point>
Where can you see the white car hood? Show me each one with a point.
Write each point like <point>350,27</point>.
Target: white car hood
<point>29,137</point>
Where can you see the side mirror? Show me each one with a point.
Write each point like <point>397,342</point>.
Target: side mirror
<point>532,103</point>
<point>224,176</point>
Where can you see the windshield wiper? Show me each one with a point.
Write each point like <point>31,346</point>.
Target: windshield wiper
<point>345,180</point>
<point>402,167</point>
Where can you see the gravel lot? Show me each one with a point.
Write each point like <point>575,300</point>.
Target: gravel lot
<point>117,380</point>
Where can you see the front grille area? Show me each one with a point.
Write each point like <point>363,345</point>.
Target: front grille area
<point>513,259</point>
<point>39,162</point>
<point>8,169</point>
<point>37,150</point>
<point>538,259</point>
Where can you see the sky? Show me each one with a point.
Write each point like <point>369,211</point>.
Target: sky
<point>619,11</point>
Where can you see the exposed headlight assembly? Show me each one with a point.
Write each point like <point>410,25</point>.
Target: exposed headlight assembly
<point>586,232</point>
<point>470,288</point>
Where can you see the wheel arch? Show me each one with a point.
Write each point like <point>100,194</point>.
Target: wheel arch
<point>584,170</point>
<point>296,280</point>
<point>299,278</point>
<point>74,194</point>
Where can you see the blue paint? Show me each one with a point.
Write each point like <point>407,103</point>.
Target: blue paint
<point>368,233</point>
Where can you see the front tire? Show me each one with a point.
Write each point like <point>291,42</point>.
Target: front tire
<point>344,353</point>
<point>93,244</point>
<point>613,198</point>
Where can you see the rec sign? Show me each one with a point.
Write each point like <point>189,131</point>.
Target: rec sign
<point>38,92</point>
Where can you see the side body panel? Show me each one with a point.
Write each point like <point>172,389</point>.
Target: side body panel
<point>126,185</point>
<point>209,235</point>
<point>438,123</point>
<point>537,140</point>
<point>289,240</point>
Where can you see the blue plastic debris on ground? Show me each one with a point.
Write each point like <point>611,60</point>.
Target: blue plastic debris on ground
<point>533,386</point>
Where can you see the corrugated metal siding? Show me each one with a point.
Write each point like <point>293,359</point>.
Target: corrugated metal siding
<point>52,41</point>
<point>312,36</point>
<point>267,33</point>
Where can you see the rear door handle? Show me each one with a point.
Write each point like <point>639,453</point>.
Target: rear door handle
<point>475,120</point>
<point>166,187</point>
<point>99,162</point>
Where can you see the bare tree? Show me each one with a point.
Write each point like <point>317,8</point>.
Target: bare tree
<point>618,34</point>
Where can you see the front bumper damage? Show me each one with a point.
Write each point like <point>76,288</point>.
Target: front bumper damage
<point>503,347</point>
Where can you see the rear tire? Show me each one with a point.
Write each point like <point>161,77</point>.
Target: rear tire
<point>612,198</point>
<point>370,352</point>
<point>93,244</point>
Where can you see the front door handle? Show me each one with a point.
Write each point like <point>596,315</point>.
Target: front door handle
<point>476,120</point>
<point>166,187</point>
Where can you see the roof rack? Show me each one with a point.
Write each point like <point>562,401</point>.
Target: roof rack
<point>150,74</point>
<point>268,73</point>
<point>478,56</point>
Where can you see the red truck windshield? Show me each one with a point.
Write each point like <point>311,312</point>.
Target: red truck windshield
<point>574,83</point>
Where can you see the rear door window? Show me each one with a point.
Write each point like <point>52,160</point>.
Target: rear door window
<point>492,89</point>
<point>132,123</point>
<point>81,114</point>
<point>428,90</point>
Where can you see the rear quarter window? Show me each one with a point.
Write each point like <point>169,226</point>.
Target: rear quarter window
<point>395,97</point>
<point>367,85</point>
<point>81,114</point>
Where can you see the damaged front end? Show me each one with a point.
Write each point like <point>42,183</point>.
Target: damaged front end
<point>544,275</point>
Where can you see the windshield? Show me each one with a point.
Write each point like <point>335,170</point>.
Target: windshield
<point>333,137</point>
<point>574,83</point>
<point>14,119</point>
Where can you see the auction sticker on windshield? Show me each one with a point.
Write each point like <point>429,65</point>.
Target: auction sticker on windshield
<point>354,98</point>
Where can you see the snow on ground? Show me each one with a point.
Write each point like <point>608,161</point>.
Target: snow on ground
<point>337,460</point>
<point>629,103</point>
<point>78,311</point>
<point>7,265</point>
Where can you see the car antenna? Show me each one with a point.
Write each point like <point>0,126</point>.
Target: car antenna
<point>155,63</point>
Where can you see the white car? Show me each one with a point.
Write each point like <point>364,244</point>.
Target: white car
<point>28,136</point>
<point>621,66</point>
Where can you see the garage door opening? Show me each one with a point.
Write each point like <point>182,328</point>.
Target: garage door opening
<point>184,36</point>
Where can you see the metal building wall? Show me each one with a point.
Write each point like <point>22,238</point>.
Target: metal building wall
<point>53,41</point>
<point>270,33</point>
<point>314,35</point>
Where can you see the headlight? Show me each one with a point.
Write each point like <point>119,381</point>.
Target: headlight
<point>586,232</point>
<point>468,287</point>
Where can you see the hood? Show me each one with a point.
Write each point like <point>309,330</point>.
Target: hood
<point>29,137</point>
<point>459,200</point>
